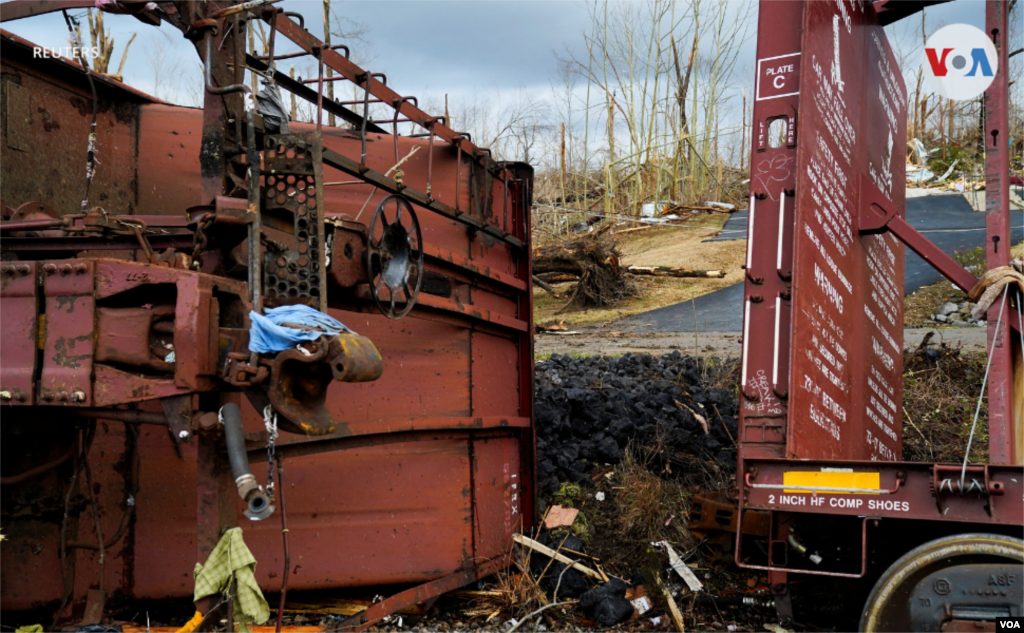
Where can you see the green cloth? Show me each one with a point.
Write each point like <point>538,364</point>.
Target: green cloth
<point>231,563</point>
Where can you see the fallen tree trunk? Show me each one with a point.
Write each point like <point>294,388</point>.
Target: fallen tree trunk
<point>555,278</point>
<point>667,271</point>
<point>546,287</point>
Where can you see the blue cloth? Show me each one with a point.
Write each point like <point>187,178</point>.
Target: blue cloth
<point>267,335</point>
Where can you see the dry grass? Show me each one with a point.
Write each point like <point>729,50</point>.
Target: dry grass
<point>940,393</point>
<point>512,594</point>
<point>660,246</point>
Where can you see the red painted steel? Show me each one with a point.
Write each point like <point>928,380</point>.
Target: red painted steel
<point>767,288</point>
<point>822,391</point>
<point>431,468</point>
<point>847,354</point>
<point>1006,426</point>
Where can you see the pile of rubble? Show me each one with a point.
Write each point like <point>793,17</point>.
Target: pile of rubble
<point>589,409</point>
<point>958,314</point>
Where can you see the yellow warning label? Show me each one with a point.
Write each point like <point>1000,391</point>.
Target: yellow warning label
<point>831,479</point>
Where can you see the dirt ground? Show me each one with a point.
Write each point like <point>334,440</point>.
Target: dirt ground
<point>676,246</point>
<point>608,342</point>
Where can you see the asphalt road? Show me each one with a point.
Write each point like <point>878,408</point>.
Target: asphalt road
<point>948,221</point>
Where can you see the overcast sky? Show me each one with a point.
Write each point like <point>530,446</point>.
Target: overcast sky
<point>424,46</point>
<point>489,53</point>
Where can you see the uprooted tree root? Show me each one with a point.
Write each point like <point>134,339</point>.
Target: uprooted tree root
<point>595,260</point>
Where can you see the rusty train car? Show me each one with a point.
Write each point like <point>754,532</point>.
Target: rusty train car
<point>909,546</point>
<point>126,321</point>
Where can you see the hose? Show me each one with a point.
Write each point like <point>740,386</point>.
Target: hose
<point>248,490</point>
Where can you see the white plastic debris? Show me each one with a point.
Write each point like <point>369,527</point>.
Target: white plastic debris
<point>656,621</point>
<point>169,358</point>
<point>677,564</point>
<point>641,604</point>
<point>599,496</point>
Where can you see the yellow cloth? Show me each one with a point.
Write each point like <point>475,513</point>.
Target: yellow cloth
<point>31,628</point>
<point>191,624</point>
<point>231,566</point>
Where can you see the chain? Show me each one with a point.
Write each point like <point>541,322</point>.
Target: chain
<point>270,423</point>
<point>200,237</point>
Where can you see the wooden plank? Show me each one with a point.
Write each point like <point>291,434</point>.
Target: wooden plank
<point>526,541</point>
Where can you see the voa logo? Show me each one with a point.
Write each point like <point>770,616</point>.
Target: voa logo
<point>959,62</point>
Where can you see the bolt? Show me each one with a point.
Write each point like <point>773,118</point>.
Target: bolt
<point>78,396</point>
<point>49,269</point>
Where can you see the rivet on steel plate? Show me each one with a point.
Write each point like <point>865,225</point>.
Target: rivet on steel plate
<point>46,395</point>
<point>78,396</point>
<point>5,395</point>
<point>80,269</point>
<point>6,270</point>
<point>63,396</point>
<point>23,269</point>
<point>49,269</point>
<point>66,269</point>
<point>781,393</point>
<point>756,298</point>
<point>785,296</point>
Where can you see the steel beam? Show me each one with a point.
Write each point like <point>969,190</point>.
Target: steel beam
<point>1001,415</point>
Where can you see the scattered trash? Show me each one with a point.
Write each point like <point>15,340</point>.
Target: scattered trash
<point>677,564</point>
<point>270,334</point>
<point>192,624</point>
<point>642,604</point>
<point>656,621</point>
<point>607,604</point>
<point>232,562</point>
<point>599,496</point>
<point>560,516</point>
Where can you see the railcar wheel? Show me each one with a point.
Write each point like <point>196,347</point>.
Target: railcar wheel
<point>887,608</point>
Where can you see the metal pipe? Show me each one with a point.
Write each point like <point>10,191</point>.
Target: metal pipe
<point>208,68</point>
<point>248,490</point>
<point>28,225</point>
<point>284,538</point>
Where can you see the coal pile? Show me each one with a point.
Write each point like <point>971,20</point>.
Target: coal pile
<point>589,409</point>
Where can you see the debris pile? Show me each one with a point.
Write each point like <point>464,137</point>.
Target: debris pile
<point>957,314</point>
<point>593,261</point>
<point>589,409</point>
